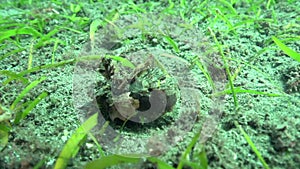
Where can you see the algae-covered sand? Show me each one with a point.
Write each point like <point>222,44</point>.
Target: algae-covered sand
<point>180,52</point>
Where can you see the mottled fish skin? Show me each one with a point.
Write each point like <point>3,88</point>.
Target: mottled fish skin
<point>158,102</point>
<point>125,107</point>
